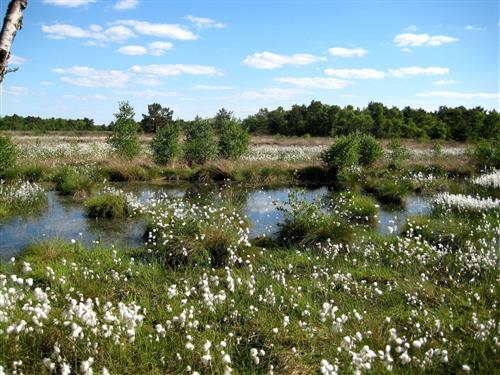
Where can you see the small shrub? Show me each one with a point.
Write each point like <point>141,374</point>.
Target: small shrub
<point>342,154</point>
<point>201,142</point>
<point>487,154</point>
<point>233,139</point>
<point>8,153</point>
<point>369,149</point>
<point>166,145</point>
<point>125,140</point>
<point>107,205</point>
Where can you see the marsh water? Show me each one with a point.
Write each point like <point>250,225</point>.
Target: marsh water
<point>65,217</point>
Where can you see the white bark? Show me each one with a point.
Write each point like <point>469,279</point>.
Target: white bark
<point>12,22</point>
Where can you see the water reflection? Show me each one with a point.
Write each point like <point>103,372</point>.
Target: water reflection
<point>65,217</point>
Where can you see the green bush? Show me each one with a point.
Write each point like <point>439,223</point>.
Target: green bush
<point>8,152</point>
<point>107,205</point>
<point>342,154</point>
<point>201,142</point>
<point>487,154</point>
<point>369,149</point>
<point>125,140</point>
<point>233,139</point>
<point>166,144</point>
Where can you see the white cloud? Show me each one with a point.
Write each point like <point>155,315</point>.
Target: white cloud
<point>474,28</point>
<point>94,33</point>
<point>213,87</point>
<point>118,33</point>
<point>159,48</point>
<point>16,60</point>
<point>417,70</point>
<point>154,49</point>
<point>314,82</point>
<point>68,3</point>
<point>364,73</point>
<point>174,70</point>
<point>205,23</point>
<point>347,52</point>
<point>161,30</point>
<point>269,60</point>
<point>47,83</point>
<point>133,50</point>
<point>148,81</point>
<point>126,4</point>
<point>62,31</point>
<point>89,77</point>
<point>443,82</point>
<point>271,93</point>
<point>418,40</point>
<point>459,95</point>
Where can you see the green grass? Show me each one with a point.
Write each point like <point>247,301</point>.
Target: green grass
<point>107,205</point>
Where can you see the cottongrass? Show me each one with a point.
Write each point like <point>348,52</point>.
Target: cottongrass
<point>21,196</point>
<point>461,202</point>
<point>490,180</point>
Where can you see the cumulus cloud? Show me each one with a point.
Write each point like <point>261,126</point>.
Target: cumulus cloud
<point>418,40</point>
<point>347,52</point>
<point>148,93</point>
<point>205,23</point>
<point>174,70</point>
<point>126,4</point>
<point>17,90</point>
<point>364,73</point>
<point>160,30</point>
<point>417,70</point>
<point>154,49</point>
<point>159,48</point>
<point>89,77</point>
<point>133,50</point>
<point>459,95</point>
<point>269,60</point>
<point>68,3</point>
<point>94,33</point>
<point>314,82</point>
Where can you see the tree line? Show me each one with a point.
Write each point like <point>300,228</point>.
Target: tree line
<point>318,119</point>
<point>315,119</point>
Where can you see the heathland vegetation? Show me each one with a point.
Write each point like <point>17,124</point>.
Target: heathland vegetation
<point>327,292</point>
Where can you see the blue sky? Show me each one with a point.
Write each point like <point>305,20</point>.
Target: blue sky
<point>78,58</point>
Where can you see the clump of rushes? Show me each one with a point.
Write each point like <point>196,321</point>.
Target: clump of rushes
<point>21,198</point>
<point>307,223</point>
<point>72,181</point>
<point>386,191</point>
<point>182,233</point>
<point>110,204</point>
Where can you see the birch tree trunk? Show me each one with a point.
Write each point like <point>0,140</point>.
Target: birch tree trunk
<point>12,22</point>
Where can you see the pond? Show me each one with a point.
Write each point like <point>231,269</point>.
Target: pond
<point>65,217</point>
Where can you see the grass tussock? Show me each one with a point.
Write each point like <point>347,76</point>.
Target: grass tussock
<point>108,206</point>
